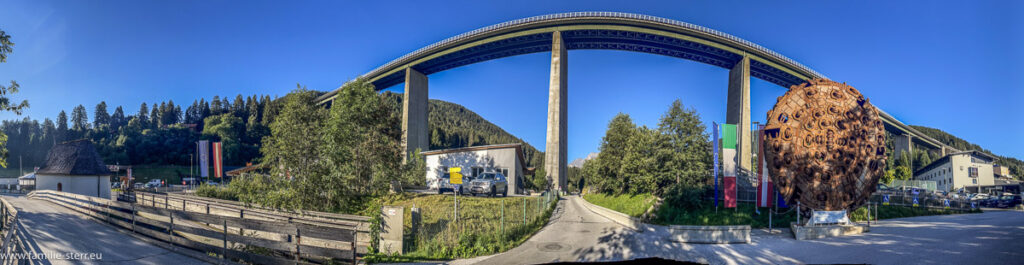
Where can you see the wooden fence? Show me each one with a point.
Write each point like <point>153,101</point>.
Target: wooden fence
<point>238,209</point>
<point>13,241</point>
<point>232,237</point>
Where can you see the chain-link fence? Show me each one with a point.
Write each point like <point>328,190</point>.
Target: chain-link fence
<point>924,200</point>
<point>484,223</point>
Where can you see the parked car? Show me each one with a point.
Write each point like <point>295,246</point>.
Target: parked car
<point>490,183</point>
<point>1008,201</point>
<point>154,183</point>
<point>990,202</point>
<point>442,184</point>
<point>978,197</point>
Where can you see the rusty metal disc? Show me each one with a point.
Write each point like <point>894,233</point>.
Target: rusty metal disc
<point>825,146</point>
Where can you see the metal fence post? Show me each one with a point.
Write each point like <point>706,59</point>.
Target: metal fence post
<point>524,210</point>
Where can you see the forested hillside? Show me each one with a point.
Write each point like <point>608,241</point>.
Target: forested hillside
<point>162,134</point>
<point>1016,165</point>
<point>452,125</point>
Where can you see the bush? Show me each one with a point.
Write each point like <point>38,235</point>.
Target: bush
<point>222,193</point>
<point>685,197</point>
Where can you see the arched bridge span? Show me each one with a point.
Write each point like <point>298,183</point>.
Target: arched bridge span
<point>557,33</point>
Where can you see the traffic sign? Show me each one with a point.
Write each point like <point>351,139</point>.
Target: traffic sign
<point>946,203</point>
<point>915,201</point>
<point>885,199</point>
<point>455,176</point>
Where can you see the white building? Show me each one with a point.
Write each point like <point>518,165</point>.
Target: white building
<point>968,170</point>
<point>75,167</point>
<point>507,159</point>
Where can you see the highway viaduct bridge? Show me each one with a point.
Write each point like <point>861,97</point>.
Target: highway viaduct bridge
<point>558,33</point>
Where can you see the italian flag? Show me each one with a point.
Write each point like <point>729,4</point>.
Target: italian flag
<point>729,164</point>
<point>764,188</point>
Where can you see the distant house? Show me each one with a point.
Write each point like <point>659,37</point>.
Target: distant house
<point>75,167</point>
<point>507,159</point>
<point>27,182</point>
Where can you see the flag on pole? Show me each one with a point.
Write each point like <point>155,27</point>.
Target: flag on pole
<point>204,158</point>
<point>129,174</point>
<point>714,141</point>
<point>729,164</point>
<point>764,182</point>
<point>218,161</point>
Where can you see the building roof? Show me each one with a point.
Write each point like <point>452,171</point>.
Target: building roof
<point>518,147</point>
<point>945,159</point>
<point>28,176</point>
<point>74,158</point>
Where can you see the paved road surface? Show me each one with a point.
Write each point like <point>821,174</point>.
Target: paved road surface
<point>576,234</point>
<point>54,229</point>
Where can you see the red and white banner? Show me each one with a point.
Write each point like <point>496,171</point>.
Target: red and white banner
<point>218,163</point>
<point>764,182</point>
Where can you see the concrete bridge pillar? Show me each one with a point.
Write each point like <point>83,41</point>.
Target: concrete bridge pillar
<point>904,143</point>
<point>738,111</point>
<point>414,113</point>
<point>555,151</point>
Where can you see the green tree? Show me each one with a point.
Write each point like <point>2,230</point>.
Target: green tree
<point>229,130</point>
<point>294,148</point>
<point>117,120</point>
<point>639,170</point>
<point>100,116</point>
<point>79,120</point>
<point>684,147</point>
<point>903,173</point>
<point>362,138</point>
<point>612,151</point>
<point>6,104</point>
<point>62,126</point>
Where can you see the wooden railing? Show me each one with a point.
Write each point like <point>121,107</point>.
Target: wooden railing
<point>13,244</point>
<point>238,209</point>
<point>244,238</point>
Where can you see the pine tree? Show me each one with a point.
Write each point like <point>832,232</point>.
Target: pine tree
<point>62,126</point>
<point>100,116</point>
<point>79,120</point>
<point>117,120</point>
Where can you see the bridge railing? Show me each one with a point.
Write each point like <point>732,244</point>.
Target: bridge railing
<point>13,243</point>
<point>248,239</point>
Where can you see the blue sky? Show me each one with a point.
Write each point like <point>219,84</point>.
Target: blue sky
<point>956,66</point>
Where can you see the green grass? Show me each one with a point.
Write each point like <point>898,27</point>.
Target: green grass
<point>632,205</point>
<point>484,226</point>
<point>744,215</point>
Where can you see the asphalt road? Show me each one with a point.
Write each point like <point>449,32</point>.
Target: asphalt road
<point>576,234</point>
<point>53,229</point>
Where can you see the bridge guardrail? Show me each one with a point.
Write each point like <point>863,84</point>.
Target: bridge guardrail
<point>247,239</point>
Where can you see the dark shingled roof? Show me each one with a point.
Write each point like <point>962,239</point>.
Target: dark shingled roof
<point>74,158</point>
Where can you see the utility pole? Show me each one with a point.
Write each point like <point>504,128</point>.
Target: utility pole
<point>19,166</point>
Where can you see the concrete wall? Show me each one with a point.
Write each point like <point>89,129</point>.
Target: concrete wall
<point>503,158</point>
<point>97,186</point>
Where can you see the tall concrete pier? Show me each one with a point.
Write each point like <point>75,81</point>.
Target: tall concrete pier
<point>555,153</point>
<point>738,110</point>
<point>414,113</point>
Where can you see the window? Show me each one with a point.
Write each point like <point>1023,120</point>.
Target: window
<point>504,172</point>
<point>974,181</point>
<point>477,171</point>
<point>972,172</point>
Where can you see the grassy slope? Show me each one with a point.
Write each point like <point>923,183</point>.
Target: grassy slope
<point>485,225</point>
<point>632,205</point>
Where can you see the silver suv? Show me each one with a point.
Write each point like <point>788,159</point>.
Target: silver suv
<point>490,183</point>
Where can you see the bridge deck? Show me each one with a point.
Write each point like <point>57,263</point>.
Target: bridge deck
<point>55,229</point>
